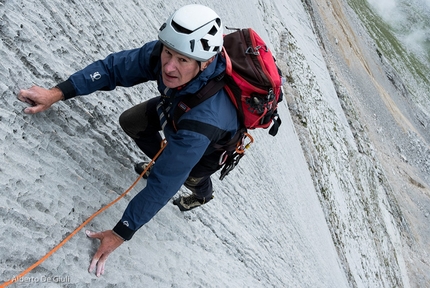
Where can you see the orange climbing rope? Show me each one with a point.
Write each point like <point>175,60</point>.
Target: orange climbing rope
<point>23,273</point>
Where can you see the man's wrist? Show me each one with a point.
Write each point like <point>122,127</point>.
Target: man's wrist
<point>119,236</point>
<point>58,94</point>
<point>67,89</point>
<point>123,231</point>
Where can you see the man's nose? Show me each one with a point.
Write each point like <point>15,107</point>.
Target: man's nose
<point>170,65</point>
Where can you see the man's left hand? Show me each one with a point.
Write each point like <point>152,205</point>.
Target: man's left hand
<point>109,241</point>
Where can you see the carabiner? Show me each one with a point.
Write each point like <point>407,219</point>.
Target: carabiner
<point>240,149</point>
<point>223,158</point>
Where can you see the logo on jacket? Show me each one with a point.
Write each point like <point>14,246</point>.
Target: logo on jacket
<point>95,76</point>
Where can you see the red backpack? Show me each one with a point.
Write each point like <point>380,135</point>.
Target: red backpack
<point>253,80</point>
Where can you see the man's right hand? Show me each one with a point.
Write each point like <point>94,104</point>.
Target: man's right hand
<point>39,98</point>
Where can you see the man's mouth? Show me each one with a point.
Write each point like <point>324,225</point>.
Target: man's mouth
<point>169,77</point>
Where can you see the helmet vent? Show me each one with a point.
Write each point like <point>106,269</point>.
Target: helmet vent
<point>205,44</point>
<point>213,31</point>
<point>180,29</point>
<point>192,43</point>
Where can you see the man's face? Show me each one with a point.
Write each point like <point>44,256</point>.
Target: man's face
<point>177,69</point>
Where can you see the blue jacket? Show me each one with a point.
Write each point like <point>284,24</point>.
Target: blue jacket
<point>185,147</point>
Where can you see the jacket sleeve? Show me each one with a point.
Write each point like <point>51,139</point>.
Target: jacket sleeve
<point>184,149</point>
<point>125,68</point>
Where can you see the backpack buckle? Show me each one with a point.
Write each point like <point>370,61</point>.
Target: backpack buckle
<point>255,51</point>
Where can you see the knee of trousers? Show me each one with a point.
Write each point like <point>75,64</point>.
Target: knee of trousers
<point>131,124</point>
<point>125,124</point>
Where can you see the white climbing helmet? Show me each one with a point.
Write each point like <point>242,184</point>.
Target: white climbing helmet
<point>194,31</point>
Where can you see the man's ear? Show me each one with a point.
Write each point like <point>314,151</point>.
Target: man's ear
<point>205,64</point>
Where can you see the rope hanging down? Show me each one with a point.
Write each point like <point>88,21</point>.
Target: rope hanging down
<point>65,240</point>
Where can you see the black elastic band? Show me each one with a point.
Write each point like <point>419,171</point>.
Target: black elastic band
<point>67,88</point>
<point>123,231</point>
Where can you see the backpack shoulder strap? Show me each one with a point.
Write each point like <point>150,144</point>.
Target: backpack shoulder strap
<point>192,100</point>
